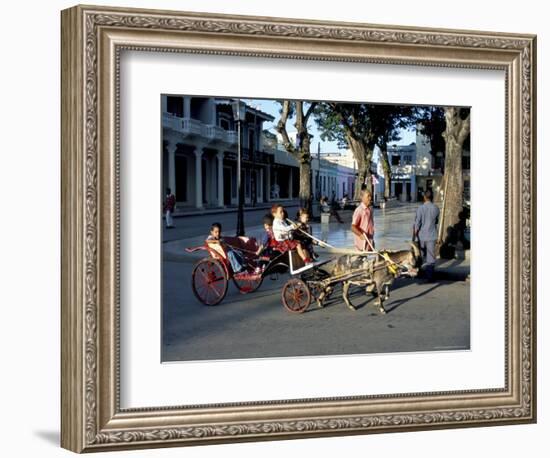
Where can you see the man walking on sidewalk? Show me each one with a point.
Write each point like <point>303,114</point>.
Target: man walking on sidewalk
<point>425,229</point>
<point>169,207</point>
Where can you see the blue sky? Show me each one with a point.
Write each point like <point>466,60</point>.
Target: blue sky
<point>271,107</point>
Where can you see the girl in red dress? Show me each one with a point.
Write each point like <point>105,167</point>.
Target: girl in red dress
<point>282,232</point>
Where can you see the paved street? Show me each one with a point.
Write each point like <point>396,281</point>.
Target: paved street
<point>421,316</point>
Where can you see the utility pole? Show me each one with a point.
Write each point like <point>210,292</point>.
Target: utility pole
<point>239,114</point>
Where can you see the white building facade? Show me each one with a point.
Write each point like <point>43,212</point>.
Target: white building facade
<point>334,175</point>
<point>402,160</point>
<point>415,168</point>
<point>199,155</point>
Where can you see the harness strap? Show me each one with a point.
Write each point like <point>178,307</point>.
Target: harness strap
<point>392,266</point>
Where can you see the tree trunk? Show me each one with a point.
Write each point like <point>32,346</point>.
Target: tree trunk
<point>454,186</point>
<point>369,149</point>
<point>304,159</point>
<point>362,153</point>
<point>301,151</point>
<point>368,179</point>
<point>456,131</point>
<point>363,178</point>
<point>387,173</point>
<point>305,190</point>
<point>359,180</point>
<point>358,151</point>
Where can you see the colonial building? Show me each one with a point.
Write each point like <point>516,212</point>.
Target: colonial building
<point>402,160</point>
<point>200,152</point>
<point>284,174</point>
<point>416,168</point>
<point>340,170</point>
<point>331,174</point>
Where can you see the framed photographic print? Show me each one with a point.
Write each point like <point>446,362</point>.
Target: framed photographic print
<point>277,228</point>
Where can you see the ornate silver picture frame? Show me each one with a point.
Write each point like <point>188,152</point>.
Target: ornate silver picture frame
<point>92,41</point>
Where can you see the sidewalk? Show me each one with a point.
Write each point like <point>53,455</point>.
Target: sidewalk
<point>393,231</point>
<point>233,208</point>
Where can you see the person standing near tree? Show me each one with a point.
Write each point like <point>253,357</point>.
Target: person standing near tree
<point>425,230</point>
<point>169,207</point>
<point>362,222</point>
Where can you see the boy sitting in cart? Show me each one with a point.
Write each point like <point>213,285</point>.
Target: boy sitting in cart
<point>234,257</point>
<point>282,232</point>
<point>304,228</point>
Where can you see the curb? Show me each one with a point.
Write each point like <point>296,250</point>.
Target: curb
<point>216,211</point>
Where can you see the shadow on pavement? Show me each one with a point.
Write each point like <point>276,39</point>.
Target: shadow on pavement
<point>398,303</point>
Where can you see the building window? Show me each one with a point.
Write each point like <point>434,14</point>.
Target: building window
<point>247,182</point>
<point>225,124</point>
<point>174,105</point>
<point>466,162</point>
<point>395,160</point>
<point>251,145</point>
<point>199,109</point>
<point>407,159</point>
<point>295,182</point>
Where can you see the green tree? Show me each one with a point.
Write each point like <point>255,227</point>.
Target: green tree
<point>431,123</point>
<point>362,126</point>
<point>350,125</point>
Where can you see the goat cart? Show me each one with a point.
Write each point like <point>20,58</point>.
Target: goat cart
<point>373,271</point>
<point>318,284</point>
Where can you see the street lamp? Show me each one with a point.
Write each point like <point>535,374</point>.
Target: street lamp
<point>239,114</point>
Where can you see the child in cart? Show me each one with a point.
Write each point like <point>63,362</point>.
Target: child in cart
<point>282,232</point>
<point>267,241</point>
<point>304,228</point>
<point>235,258</point>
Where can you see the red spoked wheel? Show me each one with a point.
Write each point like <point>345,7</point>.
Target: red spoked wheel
<point>247,282</point>
<point>296,296</point>
<point>209,281</point>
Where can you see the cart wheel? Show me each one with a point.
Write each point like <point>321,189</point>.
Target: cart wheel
<point>296,296</point>
<point>209,281</point>
<point>246,282</point>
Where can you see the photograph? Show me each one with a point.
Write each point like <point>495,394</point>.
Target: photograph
<point>312,228</point>
<point>267,225</point>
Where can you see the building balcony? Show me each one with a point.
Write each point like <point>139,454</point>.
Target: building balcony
<point>408,169</point>
<point>190,128</point>
<point>215,134</point>
<point>186,127</point>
